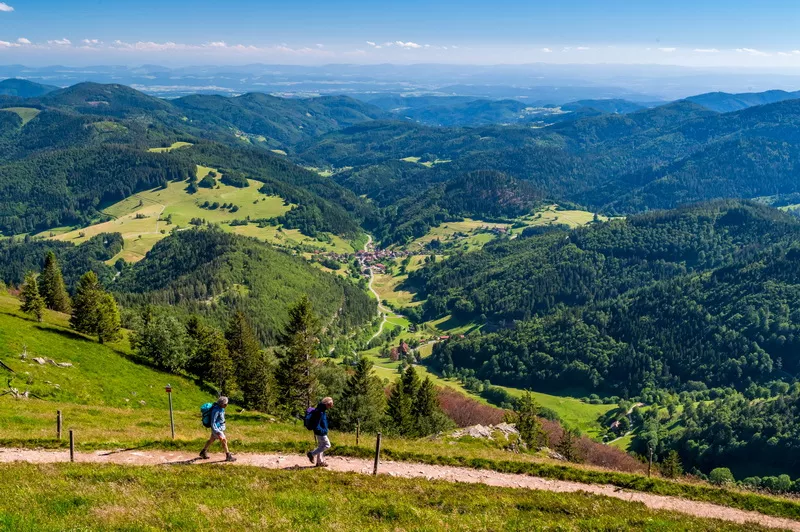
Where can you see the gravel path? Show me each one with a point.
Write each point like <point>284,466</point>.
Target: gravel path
<point>410,470</point>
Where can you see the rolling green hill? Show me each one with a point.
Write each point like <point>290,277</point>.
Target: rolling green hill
<point>23,88</point>
<point>213,273</point>
<point>276,122</point>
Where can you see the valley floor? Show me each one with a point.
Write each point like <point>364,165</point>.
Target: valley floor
<point>411,470</point>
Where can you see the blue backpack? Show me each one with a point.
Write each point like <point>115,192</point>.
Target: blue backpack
<point>307,423</point>
<point>205,412</point>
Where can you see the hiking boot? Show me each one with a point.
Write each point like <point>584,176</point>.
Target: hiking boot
<point>203,455</point>
<point>230,458</point>
<point>310,457</point>
<point>322,464</point>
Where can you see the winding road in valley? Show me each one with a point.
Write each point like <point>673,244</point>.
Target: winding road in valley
<point>382,311</point>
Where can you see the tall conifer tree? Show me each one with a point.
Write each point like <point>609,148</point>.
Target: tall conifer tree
<point>32,301</point>
<point>294,378</point>
<point>51,285</point>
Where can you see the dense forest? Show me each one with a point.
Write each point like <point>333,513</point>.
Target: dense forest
<point>211,273</point>
<point>487,195</point>
<point>705,293</point>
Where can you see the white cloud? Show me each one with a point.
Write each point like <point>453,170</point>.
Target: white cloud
<point>60,42</point>
<point>547,50</point>
<point>582,48</point>
<point>217,44</point>
<point>752,51</point>
<point>92,42</point>
<point>706,50</point>
<point>370,43</point>
<point>668,50</point>
<point>787,54</point>
<point>5,7</point>
<point>320,46</point>
<point>23,40</point>
<point>407,45</point>
<point>6,44</point>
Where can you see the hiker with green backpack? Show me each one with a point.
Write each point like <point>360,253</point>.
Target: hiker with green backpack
<point>214,419</point>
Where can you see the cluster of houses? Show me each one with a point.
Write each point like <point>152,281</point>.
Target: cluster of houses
<point>373,258</point>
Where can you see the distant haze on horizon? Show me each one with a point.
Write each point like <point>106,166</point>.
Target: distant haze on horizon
<point>539,83</point>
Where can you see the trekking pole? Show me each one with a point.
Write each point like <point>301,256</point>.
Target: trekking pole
<point>358,431</point>
<point>377,454</point>
<point>650,460</point>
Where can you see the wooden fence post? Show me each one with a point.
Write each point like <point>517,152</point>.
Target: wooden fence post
<point>71,446</point>
<point>377,454</point>
<point>358,432</point>
<point>58,424</point>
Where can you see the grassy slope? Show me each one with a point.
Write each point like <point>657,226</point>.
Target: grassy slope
<point>141,234</point>
<point>200,498</point>
<point>101,375</point>
<point>470,234</point>
<point>25,113</point>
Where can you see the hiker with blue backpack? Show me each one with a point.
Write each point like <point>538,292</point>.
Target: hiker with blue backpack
<point>316,419</point>
<point>214,419</point>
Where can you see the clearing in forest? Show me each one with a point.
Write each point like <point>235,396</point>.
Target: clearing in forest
<point>25,113</point>
<point>174,146</point>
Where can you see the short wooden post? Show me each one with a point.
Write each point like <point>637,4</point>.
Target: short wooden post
<point>71,446</point>
<point>377,454</point>
<point>58,424</point>
<point>358,432</point>
<point>649,461</point>
<point>168,389</point>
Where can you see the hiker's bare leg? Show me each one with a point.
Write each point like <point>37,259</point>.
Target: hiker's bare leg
<point>208,444</point>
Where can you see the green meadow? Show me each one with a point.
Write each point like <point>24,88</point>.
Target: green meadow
<point>25,113</point>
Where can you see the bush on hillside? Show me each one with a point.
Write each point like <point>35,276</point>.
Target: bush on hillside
<point>721,476</point>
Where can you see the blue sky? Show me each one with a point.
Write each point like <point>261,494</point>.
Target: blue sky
<point>692,33</point>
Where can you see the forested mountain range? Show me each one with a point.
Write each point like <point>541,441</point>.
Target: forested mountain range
<point>284,121</point>
<point>724,102</point>
<point>705,293</point>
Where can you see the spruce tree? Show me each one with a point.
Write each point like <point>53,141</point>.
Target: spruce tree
<point>32,301</point>
<point>294,378</point>
<point>401,402</point>
<point>108,319</point>
<point>526,419</point>
<point>52,285</point>
<point>672,467</point>
<point>209,357</point>
<point>220,366</point>
<point>363,401</point>
<point>251,367</point>
<point>568,446</point>
<point>85,306</point>
<point>427,414</point>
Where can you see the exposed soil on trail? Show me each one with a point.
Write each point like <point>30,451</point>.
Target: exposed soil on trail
<point>409,470</point>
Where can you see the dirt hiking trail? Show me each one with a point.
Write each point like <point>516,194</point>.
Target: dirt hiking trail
<point>408,470</point>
